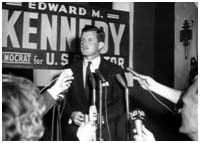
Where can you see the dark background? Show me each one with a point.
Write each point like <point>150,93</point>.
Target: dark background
<point>154,56</point>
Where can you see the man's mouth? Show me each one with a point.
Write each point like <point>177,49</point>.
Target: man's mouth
<point>85,48</point>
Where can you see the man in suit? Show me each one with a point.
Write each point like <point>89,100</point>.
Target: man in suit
<point>79,101</point>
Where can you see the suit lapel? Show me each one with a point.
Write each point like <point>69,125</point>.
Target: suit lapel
<point>103,68</point>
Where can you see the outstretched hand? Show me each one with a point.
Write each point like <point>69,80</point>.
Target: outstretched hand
<point>149,83</point>
<point>64,80</point>
<point>62,83</point>
<point>145,82</point>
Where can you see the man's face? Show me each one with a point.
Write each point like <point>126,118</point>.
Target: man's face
<point>90,44</point>
<point>189,111</point>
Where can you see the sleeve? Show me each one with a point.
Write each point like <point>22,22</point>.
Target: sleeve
<point>49,102</point>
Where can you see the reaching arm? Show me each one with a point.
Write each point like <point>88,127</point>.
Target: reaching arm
<point>149,83</point>
<point>169,93</point>
<point>53,93</point>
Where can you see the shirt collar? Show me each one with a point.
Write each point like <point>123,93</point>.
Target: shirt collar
<point>94,63</point>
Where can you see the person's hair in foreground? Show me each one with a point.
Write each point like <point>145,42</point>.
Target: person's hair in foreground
<point>22,107</point>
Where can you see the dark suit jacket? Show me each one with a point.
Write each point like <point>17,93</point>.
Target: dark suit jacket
<point>77,100</point>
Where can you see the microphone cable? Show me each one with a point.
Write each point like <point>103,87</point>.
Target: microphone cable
<point>54,108</point>
<point>52,123</point>
<point>47,85</point>
<point>106,114</point>
<point>149,90</point>
<point>60,113</point>
<point>59,120</point>
<point>53,114</point>
<point>154,96</point>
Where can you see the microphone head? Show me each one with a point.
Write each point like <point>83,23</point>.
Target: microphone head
<point>121,80</point>
<point>137,115</point>
<point>100,75</point>
<point>92,80</point>
<point>132,71</point>
<point>68,72</point>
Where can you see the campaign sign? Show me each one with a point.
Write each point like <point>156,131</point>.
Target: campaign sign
<point>46,35</point>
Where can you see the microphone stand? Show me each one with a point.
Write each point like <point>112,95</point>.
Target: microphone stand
<point>138,117</point>
<point>123,83</point>
<point>127,114</point>
<point>56,122</point>
<point>94,104</point>
<point>102,82</point>
<point>100,110</point>
<point>59,132</point>
<point>93,109</point>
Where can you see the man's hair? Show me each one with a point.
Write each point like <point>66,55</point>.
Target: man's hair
<point>99,31</point>
<point>22,107</point>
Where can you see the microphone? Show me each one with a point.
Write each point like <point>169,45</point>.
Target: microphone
<point>93,118</point>
<point>132,72</point>
<point>92,80</point>
<point>102,82</point>
<point>121,80</point>
<point>137,75</point>
<point>93,85</point>
<point>100,75</point>
<point>138,116</point>
<point>93,109</point>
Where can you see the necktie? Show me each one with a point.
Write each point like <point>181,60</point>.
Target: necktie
<point>87,84</point>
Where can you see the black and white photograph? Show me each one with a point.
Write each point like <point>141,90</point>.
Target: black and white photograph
<point>99,71</point>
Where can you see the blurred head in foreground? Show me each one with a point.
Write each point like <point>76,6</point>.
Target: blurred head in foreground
<point>22,107</point>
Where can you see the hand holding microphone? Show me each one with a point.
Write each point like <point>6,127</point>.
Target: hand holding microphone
<point>137,116</point>
<point>143,134</point>
<point>145,82</point>
<point>62,83</point>
<point>146,135</point>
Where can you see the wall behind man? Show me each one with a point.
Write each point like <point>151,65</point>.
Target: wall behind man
<point>154,56</point>
<point>182,66</point>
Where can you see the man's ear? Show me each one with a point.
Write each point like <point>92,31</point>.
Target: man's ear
<point>101,45</point>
